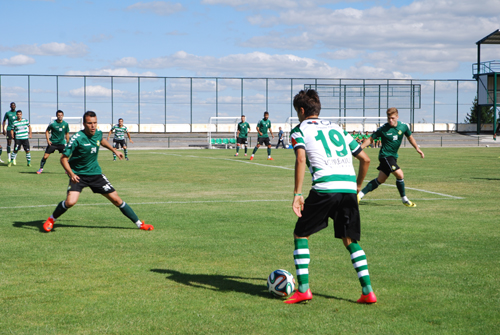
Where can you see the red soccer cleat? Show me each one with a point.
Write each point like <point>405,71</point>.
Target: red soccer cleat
<point>270,159</point>
<point>370,298</point>
<point>146,226</point>
<point>251,158</point>
<point>48,225</point>
<point>298,297</point>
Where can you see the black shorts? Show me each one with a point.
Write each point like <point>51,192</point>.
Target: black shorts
<point>242,140</point>
<point>341,207</point>
<point>24,143</point>
<point>388,165</point>
<point>264,140</point>
<point>97,183</point>
<point>53,147</point>
<point>9,135</point>
<point>117,143</point>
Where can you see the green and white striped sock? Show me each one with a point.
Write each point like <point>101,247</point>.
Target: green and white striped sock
<point>302,259</point>
<point>358,259</point>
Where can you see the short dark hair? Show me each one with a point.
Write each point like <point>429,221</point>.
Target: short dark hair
<point>309,100</point>
<point>266,112</point>
<point>59,111</point>
<point>243,116</point>
<point>19,111</point>
<point>89,114</point>
<point>120,119</point>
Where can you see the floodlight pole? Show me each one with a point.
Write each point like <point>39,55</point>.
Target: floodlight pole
<point>478,108</point>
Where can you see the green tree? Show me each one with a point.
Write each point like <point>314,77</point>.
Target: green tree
<point>486,114</point>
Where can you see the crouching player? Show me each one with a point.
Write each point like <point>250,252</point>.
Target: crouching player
<point>79,159</point>
<point>327,150</point>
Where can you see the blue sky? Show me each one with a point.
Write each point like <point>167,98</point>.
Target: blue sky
<point>429,39</point>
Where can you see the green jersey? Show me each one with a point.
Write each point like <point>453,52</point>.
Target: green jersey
<point>58,131</point>
<point>21,129</point>
<point>82,151</point>
<point>119,132</point>
<point>264,126</point>
<point>10,117</point>
<point>243,128</point>
<point>391,138</point>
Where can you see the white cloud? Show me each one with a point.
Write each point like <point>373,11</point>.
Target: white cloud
<point>111,72</point>
<point>96,91</point>
<point>17,60</point>
<point>275,40</point>
<point>53,49</point>
<point>126,62</point>
<point>342,54</point>
<point>259,64</point>
<point>100,38</point>
<point>254,4</point>
<point>163,8</point>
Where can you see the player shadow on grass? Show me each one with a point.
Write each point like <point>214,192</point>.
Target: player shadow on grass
<point>39,225</point>
<point>219,283</point>
<point>228,284</point>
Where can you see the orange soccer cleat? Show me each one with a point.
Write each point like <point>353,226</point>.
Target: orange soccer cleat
<point>48,225</point>
<point>370,298</point>
<point>146,226</point>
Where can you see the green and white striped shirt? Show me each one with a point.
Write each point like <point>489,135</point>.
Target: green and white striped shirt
<point>119,132</point>
<point>329,151</point>
<point>21,129</point>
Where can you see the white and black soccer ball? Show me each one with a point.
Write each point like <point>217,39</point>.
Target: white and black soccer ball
<point>281,283</point>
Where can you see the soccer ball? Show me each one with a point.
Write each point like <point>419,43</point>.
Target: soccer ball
<point>281,283</point>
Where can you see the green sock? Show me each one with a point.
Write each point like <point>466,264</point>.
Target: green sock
<point>255,150</point>
<point>42,163</point>
<point>60,210</point>
<point>28,157</point>
<point>246,149</point>
<point>8,149</point>
<point>237,148</point>
<point>373,184</point>
<point>302,259</point>
<point>114,156</point>
<point>269,152</point>
<point>358,259</point>
<point>13,155</point>
<point>126,152</point>
<point>128,212</point>
<point>400,183</point>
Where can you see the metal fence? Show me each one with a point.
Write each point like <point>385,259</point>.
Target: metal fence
<point>193,100</point>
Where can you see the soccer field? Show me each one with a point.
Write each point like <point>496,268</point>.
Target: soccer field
<point>223,224</point>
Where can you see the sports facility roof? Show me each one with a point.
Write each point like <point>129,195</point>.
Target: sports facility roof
<point>493,38</point>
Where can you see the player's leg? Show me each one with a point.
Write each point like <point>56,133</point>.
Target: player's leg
<point>269,158</point>
<point>125,151</point>
<point>126,210</point>
<point>255,149</point>
<point>373,184</point>
<point>245,144</point>
<point>61,208</point>
<point>400,183</point>
<point>360,264</point>
<point>9,143</point>
<point>237,147</point>
<point>1,161</point>
<point>13,155</point>
<point>26,146</point>
<point>43,161</point>
<point>116,146</point>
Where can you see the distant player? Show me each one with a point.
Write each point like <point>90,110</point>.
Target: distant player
<point>280,139</point>
<point>8,118</point>
<point>21,131</point>
<point>391,135</point>
<point>327,151</point>
<point>59,136</point>
<point>79,159</point>
<point>263,127</point>
<point>242,135</point>
<point>365,136</point>
<point>119,139</point>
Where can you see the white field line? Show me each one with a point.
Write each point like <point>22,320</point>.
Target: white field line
<point>196,202</point>
<point>291,169</point>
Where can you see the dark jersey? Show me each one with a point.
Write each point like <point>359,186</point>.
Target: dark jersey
<point>391,137</point>
<point>82,151</point>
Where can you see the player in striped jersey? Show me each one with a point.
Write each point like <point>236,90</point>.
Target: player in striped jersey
<point>22,130</point>
<point>119,139</point>
<point>327,151</point>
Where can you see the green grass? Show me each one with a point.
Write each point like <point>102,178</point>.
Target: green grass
<point>434,268</point>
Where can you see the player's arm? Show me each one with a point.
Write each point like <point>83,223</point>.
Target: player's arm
<point>364,163</point>
<point>300,169</point>
<point>47,137</point>
<point>109,134</point>
<point>65,164</point>
<point>366,142</point>
<point>108,146</point>
<point>12,133</point>
<point>29,131</point>
<point>67,137</point>
<point>415,145</point>
<point>271,131</point>
<point>258,130</point>
<point>130,139</point>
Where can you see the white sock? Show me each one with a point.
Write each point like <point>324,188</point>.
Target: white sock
<point>361,194</point>
<point>405,199</point>
<point>138,223</point>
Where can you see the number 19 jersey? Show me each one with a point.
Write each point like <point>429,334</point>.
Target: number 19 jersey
<point>329,151</point>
